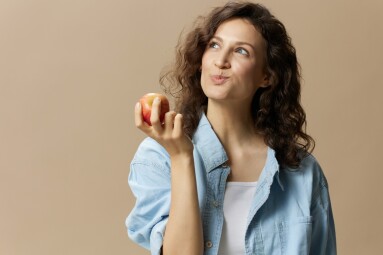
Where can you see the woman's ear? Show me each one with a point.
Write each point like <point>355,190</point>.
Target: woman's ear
<point>267,81</point>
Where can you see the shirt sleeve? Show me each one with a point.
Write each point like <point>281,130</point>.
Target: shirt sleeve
<point>323,229</point>
<point>149,180</point>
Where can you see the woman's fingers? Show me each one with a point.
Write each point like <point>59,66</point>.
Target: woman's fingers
<point>178,126</point>
<point>155,128</point>
<point>138,119</point>
<point>155,115</point>
<point>170,133</point>
<point>169,120</point>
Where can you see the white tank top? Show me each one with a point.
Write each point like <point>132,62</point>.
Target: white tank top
<point>236,207</point>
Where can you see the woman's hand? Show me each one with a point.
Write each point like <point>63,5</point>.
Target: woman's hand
<point>183,234</point>
<point>170,134</point>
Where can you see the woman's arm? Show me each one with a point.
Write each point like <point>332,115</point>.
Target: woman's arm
<point>323,228</point>
<point>183,234</point>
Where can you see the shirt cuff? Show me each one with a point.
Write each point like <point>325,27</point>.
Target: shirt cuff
<point>157,237</point>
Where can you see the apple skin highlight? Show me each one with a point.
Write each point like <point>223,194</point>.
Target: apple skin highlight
<point>146,102</point>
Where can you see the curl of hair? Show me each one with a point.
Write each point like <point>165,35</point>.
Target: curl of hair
<point>277,112</point>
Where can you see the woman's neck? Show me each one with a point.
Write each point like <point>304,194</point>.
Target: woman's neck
<point>233,124</point>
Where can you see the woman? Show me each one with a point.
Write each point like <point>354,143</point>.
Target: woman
<point>231,172</point>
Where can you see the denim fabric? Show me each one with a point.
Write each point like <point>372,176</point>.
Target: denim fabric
<point>290,213</point>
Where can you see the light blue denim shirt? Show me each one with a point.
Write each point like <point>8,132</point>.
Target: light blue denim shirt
<point>290,212</point>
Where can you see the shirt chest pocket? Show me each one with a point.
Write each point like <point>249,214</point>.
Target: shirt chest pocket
<point>295,235</point>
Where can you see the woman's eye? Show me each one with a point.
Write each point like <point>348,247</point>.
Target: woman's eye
<point>213,45</point>
<point>242,51</point>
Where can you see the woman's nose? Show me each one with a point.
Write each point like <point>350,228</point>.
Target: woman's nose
<point>222,61</point>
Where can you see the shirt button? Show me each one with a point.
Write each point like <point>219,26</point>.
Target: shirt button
<point>209,244</point>
<point>215,203</point>
<point>224,165</point>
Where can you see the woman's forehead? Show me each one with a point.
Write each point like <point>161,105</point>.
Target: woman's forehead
<point>240,30</point>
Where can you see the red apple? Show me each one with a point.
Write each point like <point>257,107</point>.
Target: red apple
<point>146,104</point>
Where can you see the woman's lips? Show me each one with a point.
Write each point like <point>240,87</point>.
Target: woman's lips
<point>219,79</point>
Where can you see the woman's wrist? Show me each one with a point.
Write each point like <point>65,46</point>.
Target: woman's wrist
<point>182,157</point>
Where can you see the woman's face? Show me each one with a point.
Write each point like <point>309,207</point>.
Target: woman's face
<point>233,62</point>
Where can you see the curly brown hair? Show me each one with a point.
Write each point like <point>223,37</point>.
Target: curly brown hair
<point>276,109</point>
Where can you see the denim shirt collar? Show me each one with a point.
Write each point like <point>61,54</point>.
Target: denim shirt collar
<point>213,153</point>
<point>207,143</point>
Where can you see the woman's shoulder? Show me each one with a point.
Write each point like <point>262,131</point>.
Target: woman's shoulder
<point>309,162</point>
<point>310,172</point>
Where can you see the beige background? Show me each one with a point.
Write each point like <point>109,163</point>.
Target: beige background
<point>71,72</point>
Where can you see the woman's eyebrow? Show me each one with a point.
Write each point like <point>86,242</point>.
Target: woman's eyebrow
<point>237,42</point>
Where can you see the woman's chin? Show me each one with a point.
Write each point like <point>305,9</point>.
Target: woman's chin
<point>217,94</point>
